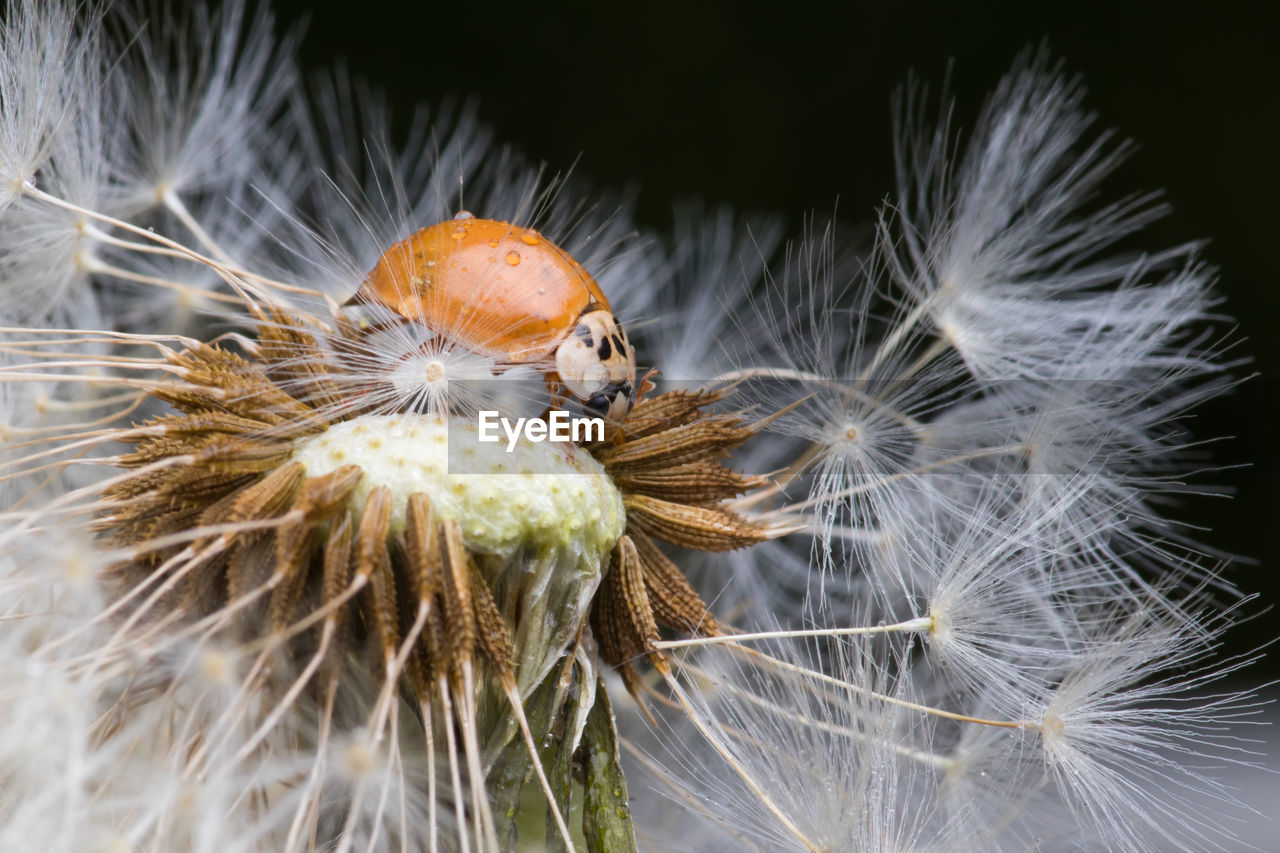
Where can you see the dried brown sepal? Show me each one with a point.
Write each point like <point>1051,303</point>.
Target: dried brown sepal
<point>238,455</point>
<point>204,586</point>
<point>292,562</point>
<point>699,483</point>
<point>701,528</point>
<point>334,580</point>
<point>208,581</point>
<point>148,520</point>
<point>268,498</point>
<point>493,639</point>
<point>153,450</point>
<point>459,608</point>
<point>422,545</point>
<point>177,485</point>
<point>672,409</point>
<point>138,485</point>
<point>297,362</point>
<point>622,619</point>
<point>190,429</point>
<point>324,497</point>
<point>419,552</point>
<point>676,605</point>
<point>371,536</point>
<point>223,381</point>
<point>704,440</point>
<point>371,560</point>
<point>248,566</point>
<point>384,608</point>
<point>321,499</point>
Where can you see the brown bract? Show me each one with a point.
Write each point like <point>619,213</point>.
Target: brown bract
<point>666,459</point>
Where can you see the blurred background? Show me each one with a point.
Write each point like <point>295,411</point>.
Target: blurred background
<point>785,108</point>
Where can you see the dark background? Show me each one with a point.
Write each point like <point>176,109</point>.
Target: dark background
<point>784,107</point>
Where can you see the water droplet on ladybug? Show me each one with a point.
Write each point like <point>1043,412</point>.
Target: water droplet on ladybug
<point>464,214</point>
<point>529,238</point>
<point>493,244</point>
<point>513,257</point>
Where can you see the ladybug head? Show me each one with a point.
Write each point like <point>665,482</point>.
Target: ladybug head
<point>597,364</point>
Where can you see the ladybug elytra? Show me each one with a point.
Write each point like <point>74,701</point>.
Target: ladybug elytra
<point>510,294</point>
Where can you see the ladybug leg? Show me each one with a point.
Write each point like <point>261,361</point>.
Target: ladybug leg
<point>554,386</point>
<point>643,386</point>
<point>646,383</point>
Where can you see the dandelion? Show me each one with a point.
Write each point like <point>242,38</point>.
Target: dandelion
<point>883,571</point>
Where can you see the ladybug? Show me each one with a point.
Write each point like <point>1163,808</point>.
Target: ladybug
<point>510,294</point>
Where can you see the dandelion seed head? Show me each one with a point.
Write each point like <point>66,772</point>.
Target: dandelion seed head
<point>44,53</point>
<point>217,123</point>
<point>687,322</point>
<point>358,757</point>
<point>308,616</point>
<point>835,764</point>
<point>1108,730</point>
<point>217,667</point>
<point>428,376</point>
<point>399,366</point>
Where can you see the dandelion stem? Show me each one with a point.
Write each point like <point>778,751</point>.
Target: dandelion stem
<point>227,275</point>
<point>920,624</point>
<point>193,293</point>
<point>853,688</point>
<point>178,209</point>
<point>890,344</point>
<point>742,772</point>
